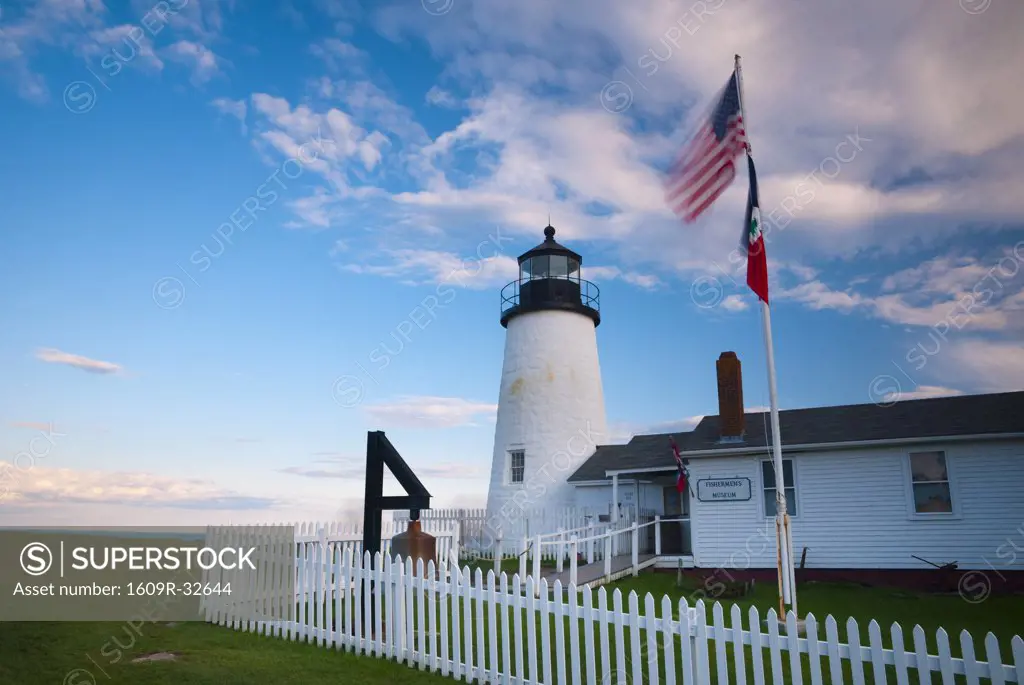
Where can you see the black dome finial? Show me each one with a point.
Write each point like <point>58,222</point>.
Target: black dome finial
<point>549,233</point>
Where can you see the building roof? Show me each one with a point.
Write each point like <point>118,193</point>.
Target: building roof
<point>938,417</point>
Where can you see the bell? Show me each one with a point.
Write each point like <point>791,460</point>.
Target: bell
<point>415,544</point>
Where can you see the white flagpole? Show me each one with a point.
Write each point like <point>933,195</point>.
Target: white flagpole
<point>787,572</point>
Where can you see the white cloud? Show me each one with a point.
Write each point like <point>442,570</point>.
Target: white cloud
<point>45,24</point>
<point>41,486</point>
<point>735,303</point>
<point>53,356</point>
<point>33,425</point>
<point>440,98</point>
<point>942,275</point>
<point>817,295</point>
<point>983,365</point>
<point>200,59</point>
<point>125,45</point>
<point>431,412</point>
<point>347,153</point>
<point>924,392</point>
<point>623,433</point>
<point>368,104</point>
<point>417,267</point>
<point>537,146</point>
<point>339,55</point>
<point>293,15</point>
<point>962,292</point>
<point>675,426</point>
<point>314,210</point>
<point>608,273</point>
<point>354,468</point>
<point>235,108</point>
<point>204,20</point>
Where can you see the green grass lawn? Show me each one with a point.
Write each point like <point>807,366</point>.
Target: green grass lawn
<point>510,565</point>
<point>46,653</point>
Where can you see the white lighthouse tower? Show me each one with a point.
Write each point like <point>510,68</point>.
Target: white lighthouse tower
<point>551,406</point>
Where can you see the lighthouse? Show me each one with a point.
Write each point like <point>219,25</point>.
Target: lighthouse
<point>550,405</point>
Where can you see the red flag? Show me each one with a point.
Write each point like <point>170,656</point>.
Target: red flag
<point>683,474</point>
<point>753,240</point>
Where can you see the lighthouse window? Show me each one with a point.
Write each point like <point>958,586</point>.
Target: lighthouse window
<point>574,268</point>
<point>559,267</point>
<point>517,465</point>
<point>539,267</point>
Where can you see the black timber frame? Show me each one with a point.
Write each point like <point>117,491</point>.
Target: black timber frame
<point>380,452</point>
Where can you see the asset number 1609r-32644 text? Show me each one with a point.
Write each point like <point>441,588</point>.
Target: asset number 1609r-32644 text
<point>173,589</point>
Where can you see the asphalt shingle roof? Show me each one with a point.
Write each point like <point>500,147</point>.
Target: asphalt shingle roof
<point>927,418</point>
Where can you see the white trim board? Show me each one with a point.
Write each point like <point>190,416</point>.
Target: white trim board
<point>820,447</point>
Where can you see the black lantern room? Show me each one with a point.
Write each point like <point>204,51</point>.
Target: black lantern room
<point>549,280</point>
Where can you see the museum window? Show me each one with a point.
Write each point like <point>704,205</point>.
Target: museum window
<point>929,482</point>
<point>768,483</point>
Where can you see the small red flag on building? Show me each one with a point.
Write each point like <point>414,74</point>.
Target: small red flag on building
<point>684,475</point>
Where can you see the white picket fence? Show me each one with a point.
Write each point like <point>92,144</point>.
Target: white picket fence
<point>591,544</point>
<point>342,537</point>
<point>497,630</point>
<point>507,536</point>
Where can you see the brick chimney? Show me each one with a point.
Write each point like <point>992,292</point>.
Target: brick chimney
<point>730,397</point>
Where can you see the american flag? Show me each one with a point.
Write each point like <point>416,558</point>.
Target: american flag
<point>684,475</point>
<point>705,167</point>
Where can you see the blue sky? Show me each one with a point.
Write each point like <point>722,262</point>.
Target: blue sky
<point>220,221</point>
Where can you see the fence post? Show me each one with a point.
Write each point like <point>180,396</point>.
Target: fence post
<point>561,549</point>
<point>536,561</point>
<point>574,548</point>
<point>522,559</point>
<point>636,549</point>
<point>454,553</point>
<point>590,542</point>
<point>322,568</point>
<point>498,554</point>
<point>608,554</point>
<point>657,535</point>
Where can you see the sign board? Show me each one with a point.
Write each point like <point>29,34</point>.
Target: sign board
<point>723,489</point>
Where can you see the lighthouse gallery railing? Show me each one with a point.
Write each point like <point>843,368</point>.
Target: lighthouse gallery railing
<point>552,289</point>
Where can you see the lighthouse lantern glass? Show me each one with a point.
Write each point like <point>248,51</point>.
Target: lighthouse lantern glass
<point>550,266</point>
<point>558,267</point>
<point>574,268</point>
<point>535,267</point>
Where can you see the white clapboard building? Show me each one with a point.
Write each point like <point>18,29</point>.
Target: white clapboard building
<point>868,486</point>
